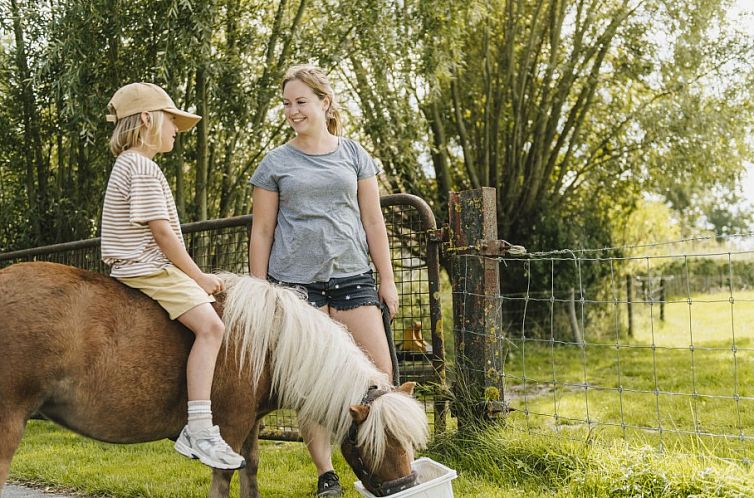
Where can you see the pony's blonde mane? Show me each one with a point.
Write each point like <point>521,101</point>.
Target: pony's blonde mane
<point>404,419</point>
<point>315,366</point>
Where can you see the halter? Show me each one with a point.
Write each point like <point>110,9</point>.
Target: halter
<point>376,487</point>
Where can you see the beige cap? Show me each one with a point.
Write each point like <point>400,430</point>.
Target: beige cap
<point>140,97</point>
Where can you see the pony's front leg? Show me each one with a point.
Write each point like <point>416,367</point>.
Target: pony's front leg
<point>11,429</point>
<point>248,475</point>
<point>220,487</point>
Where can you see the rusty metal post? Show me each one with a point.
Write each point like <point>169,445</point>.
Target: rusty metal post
<point>438,345</point>
<point>476,298</point>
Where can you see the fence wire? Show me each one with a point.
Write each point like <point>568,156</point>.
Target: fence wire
<point>651,349</point>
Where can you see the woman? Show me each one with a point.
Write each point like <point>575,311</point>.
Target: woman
<point>317,219</point>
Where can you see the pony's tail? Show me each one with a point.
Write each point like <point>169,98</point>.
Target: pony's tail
<point>252,318</point>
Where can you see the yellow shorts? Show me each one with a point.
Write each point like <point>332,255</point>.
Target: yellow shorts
<point>172,289</point>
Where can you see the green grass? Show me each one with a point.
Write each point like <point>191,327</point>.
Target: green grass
<point>496,462</point>
<point>652,388</point>
<point>530,465</point>
<point>707,319</point>
<point>563,440</point>
<point>52,456</point>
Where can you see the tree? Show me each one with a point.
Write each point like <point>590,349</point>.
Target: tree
<point>572,109</point>
<point>566,107</point>
<point>223,59</point>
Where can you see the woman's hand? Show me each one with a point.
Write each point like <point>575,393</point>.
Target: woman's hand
<point>388,294</point>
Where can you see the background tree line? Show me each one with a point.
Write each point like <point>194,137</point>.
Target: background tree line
<point>575,110</point>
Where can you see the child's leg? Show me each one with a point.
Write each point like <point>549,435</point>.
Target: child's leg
<point>200,439</point>
<point>206,325</point>
<point>176,291</point>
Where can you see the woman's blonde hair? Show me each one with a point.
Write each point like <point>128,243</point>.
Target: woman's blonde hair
<point>131,132</point>
<point>316,79</point>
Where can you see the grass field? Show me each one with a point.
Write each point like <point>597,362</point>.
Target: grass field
<point>587,423</point>
<point>683,382</point>
<point>53,456</point>
<point>494,463</point>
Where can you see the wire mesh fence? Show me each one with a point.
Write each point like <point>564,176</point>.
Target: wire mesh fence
<point>222,245</point>
<point>654,349</point>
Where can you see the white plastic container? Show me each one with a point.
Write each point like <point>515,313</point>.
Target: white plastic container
<point>432,481</point>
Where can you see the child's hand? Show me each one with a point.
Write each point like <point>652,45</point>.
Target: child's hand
<point>212,284</point>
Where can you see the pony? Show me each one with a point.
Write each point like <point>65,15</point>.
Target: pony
<point>105,361</point>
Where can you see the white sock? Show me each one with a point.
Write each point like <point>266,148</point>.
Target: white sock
<point>199,415</point>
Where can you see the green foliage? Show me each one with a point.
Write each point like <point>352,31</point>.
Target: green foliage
<point>567,106</point>
<point>223,59</point>
<point>572,110</point>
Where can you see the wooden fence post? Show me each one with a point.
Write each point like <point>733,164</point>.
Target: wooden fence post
<point>662,299</point>
<point>476,305</point>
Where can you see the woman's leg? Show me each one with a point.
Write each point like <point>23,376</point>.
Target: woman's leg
<point>365,325</point>
<point>318,442</point>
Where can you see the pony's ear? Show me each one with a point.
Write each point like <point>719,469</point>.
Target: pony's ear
<point>359,413</point>
<point>407,387</point>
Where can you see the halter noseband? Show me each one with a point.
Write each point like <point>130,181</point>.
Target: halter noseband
<point>376,487</point>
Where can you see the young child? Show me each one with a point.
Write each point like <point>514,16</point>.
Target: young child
<point>143,243</point>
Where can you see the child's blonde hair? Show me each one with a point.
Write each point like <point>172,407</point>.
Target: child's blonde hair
<point>316,79</point>
<point>130,132</point>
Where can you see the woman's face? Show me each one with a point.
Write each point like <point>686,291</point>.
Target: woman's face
<point>304,111</point>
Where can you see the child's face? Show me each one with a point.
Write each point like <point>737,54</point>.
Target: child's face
<point>168,131</point>
<point>304,111</point>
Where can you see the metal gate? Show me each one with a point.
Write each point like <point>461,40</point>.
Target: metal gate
<point>223,245</point>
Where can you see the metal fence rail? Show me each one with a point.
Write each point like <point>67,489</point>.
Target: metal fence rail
<point>592,345</point>
<point>682,379</point>
<point>223,245</point>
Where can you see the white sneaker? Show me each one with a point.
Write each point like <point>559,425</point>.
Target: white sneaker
<point>210,448</point>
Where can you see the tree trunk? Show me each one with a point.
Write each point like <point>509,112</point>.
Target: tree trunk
<point>35,179</point>
<point>202,148</point>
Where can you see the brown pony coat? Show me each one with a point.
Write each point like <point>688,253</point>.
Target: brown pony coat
<point>105,361</point>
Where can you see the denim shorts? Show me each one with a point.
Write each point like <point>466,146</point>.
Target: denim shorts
<point>343,293</point>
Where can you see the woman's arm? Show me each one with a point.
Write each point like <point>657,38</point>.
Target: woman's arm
<point>379,249</point>
<point>265,210</point>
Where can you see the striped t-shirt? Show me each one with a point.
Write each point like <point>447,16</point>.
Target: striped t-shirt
<point>137,193</point>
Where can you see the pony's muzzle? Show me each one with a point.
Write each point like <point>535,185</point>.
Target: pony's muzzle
<point>387,488</point>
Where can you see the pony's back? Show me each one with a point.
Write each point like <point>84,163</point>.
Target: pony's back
<point>87,349</point>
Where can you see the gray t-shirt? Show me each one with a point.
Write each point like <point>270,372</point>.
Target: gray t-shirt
<point>319,234</point>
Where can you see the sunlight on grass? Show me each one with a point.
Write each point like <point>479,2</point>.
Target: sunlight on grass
<point>500,461</point>
<point>59,458</point>
<point>703,320</point>
<point>678,382</point>
<point>63,459</point>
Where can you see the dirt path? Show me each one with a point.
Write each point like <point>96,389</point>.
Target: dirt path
<point>16,491</point>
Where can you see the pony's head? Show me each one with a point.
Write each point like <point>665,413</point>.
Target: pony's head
<point>387,427</point>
